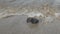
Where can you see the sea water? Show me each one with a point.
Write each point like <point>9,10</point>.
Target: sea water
<point>46,9</point>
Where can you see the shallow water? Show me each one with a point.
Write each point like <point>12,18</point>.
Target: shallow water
<point>47,10</point>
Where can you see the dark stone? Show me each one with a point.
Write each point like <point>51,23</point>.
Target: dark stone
<point>32,20</point>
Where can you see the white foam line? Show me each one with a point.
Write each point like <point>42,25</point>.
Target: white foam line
<point>57,14</point>
<point>32,14</point>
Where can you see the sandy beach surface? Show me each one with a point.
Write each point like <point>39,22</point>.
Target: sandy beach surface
<point>18,25</point>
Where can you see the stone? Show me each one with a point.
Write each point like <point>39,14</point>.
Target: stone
<point>32,20</point>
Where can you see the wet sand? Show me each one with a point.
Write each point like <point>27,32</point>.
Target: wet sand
<point>17,25</point>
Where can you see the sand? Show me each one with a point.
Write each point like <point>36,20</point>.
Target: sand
<point>18,25</point>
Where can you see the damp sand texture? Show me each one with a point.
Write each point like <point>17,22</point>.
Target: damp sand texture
<point>17,24</point>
